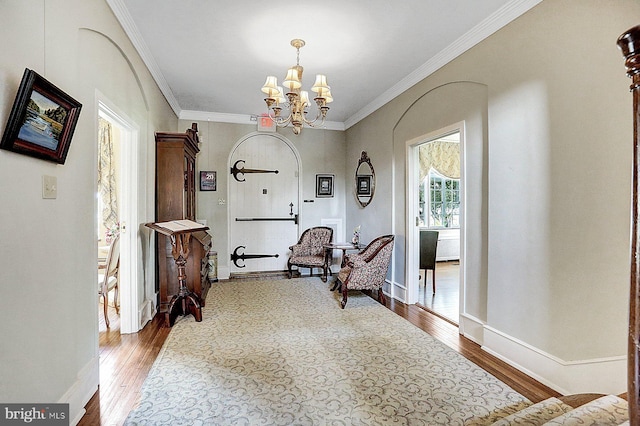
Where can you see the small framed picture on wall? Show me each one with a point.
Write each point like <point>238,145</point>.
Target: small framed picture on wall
<point>208,181</point>
<point>364,185</point>
<point>324,186</point>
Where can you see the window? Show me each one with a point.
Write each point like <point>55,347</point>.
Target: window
<point>440,201</point>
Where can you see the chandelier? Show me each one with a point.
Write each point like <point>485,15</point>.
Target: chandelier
<point>296,100</point>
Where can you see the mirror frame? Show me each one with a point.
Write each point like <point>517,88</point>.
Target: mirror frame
<point>364,158</point>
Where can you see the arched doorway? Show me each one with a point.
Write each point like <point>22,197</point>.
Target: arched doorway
<point>264,194</point>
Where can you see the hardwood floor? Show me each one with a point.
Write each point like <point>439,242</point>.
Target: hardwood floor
<point>125,361</point>
<point>445,302</point>
<point>448,334</point>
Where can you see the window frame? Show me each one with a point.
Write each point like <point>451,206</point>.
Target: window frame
<point>428,217</point>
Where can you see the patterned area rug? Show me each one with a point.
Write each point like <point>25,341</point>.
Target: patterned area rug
<point>283,352</point>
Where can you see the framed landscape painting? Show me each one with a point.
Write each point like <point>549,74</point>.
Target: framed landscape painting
<point>42,120</point>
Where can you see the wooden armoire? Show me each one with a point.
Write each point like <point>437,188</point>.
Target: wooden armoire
<point>176,199</point>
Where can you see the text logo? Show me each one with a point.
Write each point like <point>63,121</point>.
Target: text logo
<point>34,414</point>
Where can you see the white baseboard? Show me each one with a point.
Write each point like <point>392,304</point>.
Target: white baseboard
<point>601,375</point>
<point>472,328</point>
<point>398,291</point>
<point>81,391</point>
<point>223,272</point>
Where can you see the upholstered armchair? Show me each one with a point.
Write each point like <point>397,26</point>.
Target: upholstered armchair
<point>310,252</point>
<point>367,270</point>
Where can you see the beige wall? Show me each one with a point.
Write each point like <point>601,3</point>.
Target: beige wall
<point>555,186</point>
<point>551,203</point>
<point>48,317</point>
<point>321,151</point>
<point>452,103</point>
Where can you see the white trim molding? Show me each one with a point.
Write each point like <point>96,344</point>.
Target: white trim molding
<point>223,272</point>
<point>599,375</point>
<point>219,117</point>
<point>472,328</point>
<point>484,29</point>
<point>81,391</point>
<point>398,291</point>
<point>126,21</point>
<point>129,272</point>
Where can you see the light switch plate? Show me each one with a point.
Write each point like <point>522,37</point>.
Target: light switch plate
<point>49,187</point>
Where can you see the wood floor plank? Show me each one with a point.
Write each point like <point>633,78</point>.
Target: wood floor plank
<point>125,361</point>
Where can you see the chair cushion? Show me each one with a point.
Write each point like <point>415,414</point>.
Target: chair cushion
<point>111,282</point>
<point>308,260</point>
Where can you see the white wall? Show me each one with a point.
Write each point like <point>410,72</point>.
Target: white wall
<point>552,261</point>
<point>49,315</point>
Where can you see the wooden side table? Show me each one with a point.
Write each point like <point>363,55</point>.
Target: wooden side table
<point>328,250</point>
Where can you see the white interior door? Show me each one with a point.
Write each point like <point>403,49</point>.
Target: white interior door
<point>263,204</point>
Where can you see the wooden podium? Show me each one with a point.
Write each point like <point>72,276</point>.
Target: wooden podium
<point>185,301</point>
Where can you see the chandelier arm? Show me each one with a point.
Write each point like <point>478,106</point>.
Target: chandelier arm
<point>319,115</point>
<point>280,121</point>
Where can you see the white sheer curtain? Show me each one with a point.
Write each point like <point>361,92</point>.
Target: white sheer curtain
<point>107,187</point>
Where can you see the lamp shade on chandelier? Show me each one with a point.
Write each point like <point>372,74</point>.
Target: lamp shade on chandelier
<point>295,100</point>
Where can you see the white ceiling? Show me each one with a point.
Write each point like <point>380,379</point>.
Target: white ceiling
<point>211,57</point>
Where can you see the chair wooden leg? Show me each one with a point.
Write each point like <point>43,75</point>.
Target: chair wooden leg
<point>289,268</point>
<point>381,297</point>
<point>344,295</point>
<point>105,300</point>
<point>433,278</point>
<point>116,298</point>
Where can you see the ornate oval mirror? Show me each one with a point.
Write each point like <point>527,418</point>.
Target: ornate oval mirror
<point>365,180</point>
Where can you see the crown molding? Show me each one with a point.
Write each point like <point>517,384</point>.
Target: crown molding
<point>484,29</point>
<point>220,117</point>
<point>130,28</point>
<point>493,23</point>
